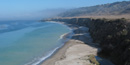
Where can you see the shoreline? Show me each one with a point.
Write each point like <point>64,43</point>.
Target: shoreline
<point>114,45</point>
<point>60,53</point>
<point>68,37</point>
<point>57,55</point>
<point>62,40</point>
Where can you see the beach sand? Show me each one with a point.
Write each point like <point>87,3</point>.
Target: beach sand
<point>76,51</point>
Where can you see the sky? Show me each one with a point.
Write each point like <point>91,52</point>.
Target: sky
<point>25,9</point>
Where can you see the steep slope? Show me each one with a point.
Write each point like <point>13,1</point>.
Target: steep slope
<point>127,11</point>
<point>116,8</point>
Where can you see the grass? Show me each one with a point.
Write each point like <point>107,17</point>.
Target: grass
<point>93,60</point>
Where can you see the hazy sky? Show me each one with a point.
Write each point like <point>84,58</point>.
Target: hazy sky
<point>22,8</point>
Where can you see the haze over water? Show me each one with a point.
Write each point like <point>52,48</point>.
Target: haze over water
<point>38,9</point>
<point>31,42</point>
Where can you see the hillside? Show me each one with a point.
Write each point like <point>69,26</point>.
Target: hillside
<point>117,8</point>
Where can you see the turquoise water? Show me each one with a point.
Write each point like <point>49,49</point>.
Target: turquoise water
<point>31,43</point>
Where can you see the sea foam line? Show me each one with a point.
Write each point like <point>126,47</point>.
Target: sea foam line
<point>62,41</point>
<point>39,60</point>
<point>44,58</point>
<point>68,36</point>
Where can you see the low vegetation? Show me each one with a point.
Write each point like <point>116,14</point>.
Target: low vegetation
<point>93,60</point>
<point>114,39</point>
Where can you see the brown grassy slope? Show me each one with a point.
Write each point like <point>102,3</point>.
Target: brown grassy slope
<point>113,10</point>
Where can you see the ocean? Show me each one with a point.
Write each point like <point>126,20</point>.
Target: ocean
<point>29,42</point>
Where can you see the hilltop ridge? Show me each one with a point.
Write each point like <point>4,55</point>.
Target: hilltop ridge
<point>117,8</point>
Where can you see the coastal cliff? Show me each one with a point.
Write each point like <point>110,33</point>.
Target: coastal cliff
<point>113,36</point>
<point>114,39</point>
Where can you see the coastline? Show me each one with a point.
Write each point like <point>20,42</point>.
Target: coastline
<point>77,39</point>
<point>58,55</point>
<point>62,40</point>
<point>114,45</point>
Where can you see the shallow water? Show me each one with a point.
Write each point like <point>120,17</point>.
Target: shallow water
<point>29,42</point>
<point>103,61</point>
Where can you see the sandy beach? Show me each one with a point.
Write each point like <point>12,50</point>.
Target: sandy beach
<point>76,51</point>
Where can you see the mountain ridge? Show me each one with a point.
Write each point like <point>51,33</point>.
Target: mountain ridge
<point>116,8</point>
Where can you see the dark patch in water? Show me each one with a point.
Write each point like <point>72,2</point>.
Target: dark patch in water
<point>103,61</point>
